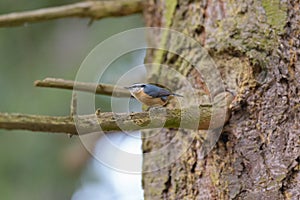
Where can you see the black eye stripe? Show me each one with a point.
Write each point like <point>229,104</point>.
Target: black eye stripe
<point>138,86</point>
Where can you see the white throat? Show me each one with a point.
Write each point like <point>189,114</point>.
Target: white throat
<point>133,91</point>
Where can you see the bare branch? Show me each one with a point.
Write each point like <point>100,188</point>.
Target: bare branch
<point>198,117</point>
<point>110,121</point>
<point>104,89</point>
<point>87,9</point>
<point>37,123</point>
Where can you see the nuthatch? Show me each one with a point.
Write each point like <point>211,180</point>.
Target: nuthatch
<point>151,95</point>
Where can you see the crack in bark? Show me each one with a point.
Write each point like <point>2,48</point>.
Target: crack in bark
<point>168,184</point>
<point>289,175</point>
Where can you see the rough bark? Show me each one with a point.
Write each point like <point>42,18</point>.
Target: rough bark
<point>256,47</point>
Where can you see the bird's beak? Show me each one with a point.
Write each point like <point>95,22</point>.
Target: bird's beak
<point>127,88</point>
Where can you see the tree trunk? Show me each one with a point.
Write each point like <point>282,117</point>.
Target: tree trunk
<point>255,45</point>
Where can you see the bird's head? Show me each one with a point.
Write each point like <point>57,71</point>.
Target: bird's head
<point>137,87</point>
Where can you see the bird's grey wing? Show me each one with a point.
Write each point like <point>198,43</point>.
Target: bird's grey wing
<point>156,92</point>
<point>164,98</point>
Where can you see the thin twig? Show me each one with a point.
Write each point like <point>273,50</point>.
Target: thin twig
<point>87,9</point>
<point>104,89</point>
<point>73,106</point>
<point>108,121</point>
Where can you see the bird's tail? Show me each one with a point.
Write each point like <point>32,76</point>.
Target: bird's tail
<point>178,95</point>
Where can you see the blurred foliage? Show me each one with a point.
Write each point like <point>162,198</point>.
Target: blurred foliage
<point>31,163</point>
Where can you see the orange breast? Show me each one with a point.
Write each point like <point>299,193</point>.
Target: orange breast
<point>148,100</point>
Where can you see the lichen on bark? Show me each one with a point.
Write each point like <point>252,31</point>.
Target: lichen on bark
<point>257,156</point>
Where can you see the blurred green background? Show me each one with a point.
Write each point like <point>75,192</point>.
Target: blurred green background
<point>42,165</point>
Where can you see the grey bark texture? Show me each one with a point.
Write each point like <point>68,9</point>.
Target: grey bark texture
<point>255,45</point>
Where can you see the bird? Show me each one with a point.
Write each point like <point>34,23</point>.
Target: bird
<point>151,95</point>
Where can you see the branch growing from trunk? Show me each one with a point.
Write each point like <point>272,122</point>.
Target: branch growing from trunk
<point>88,9</point>
<point>104,89</point>
<point>108,121</point>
